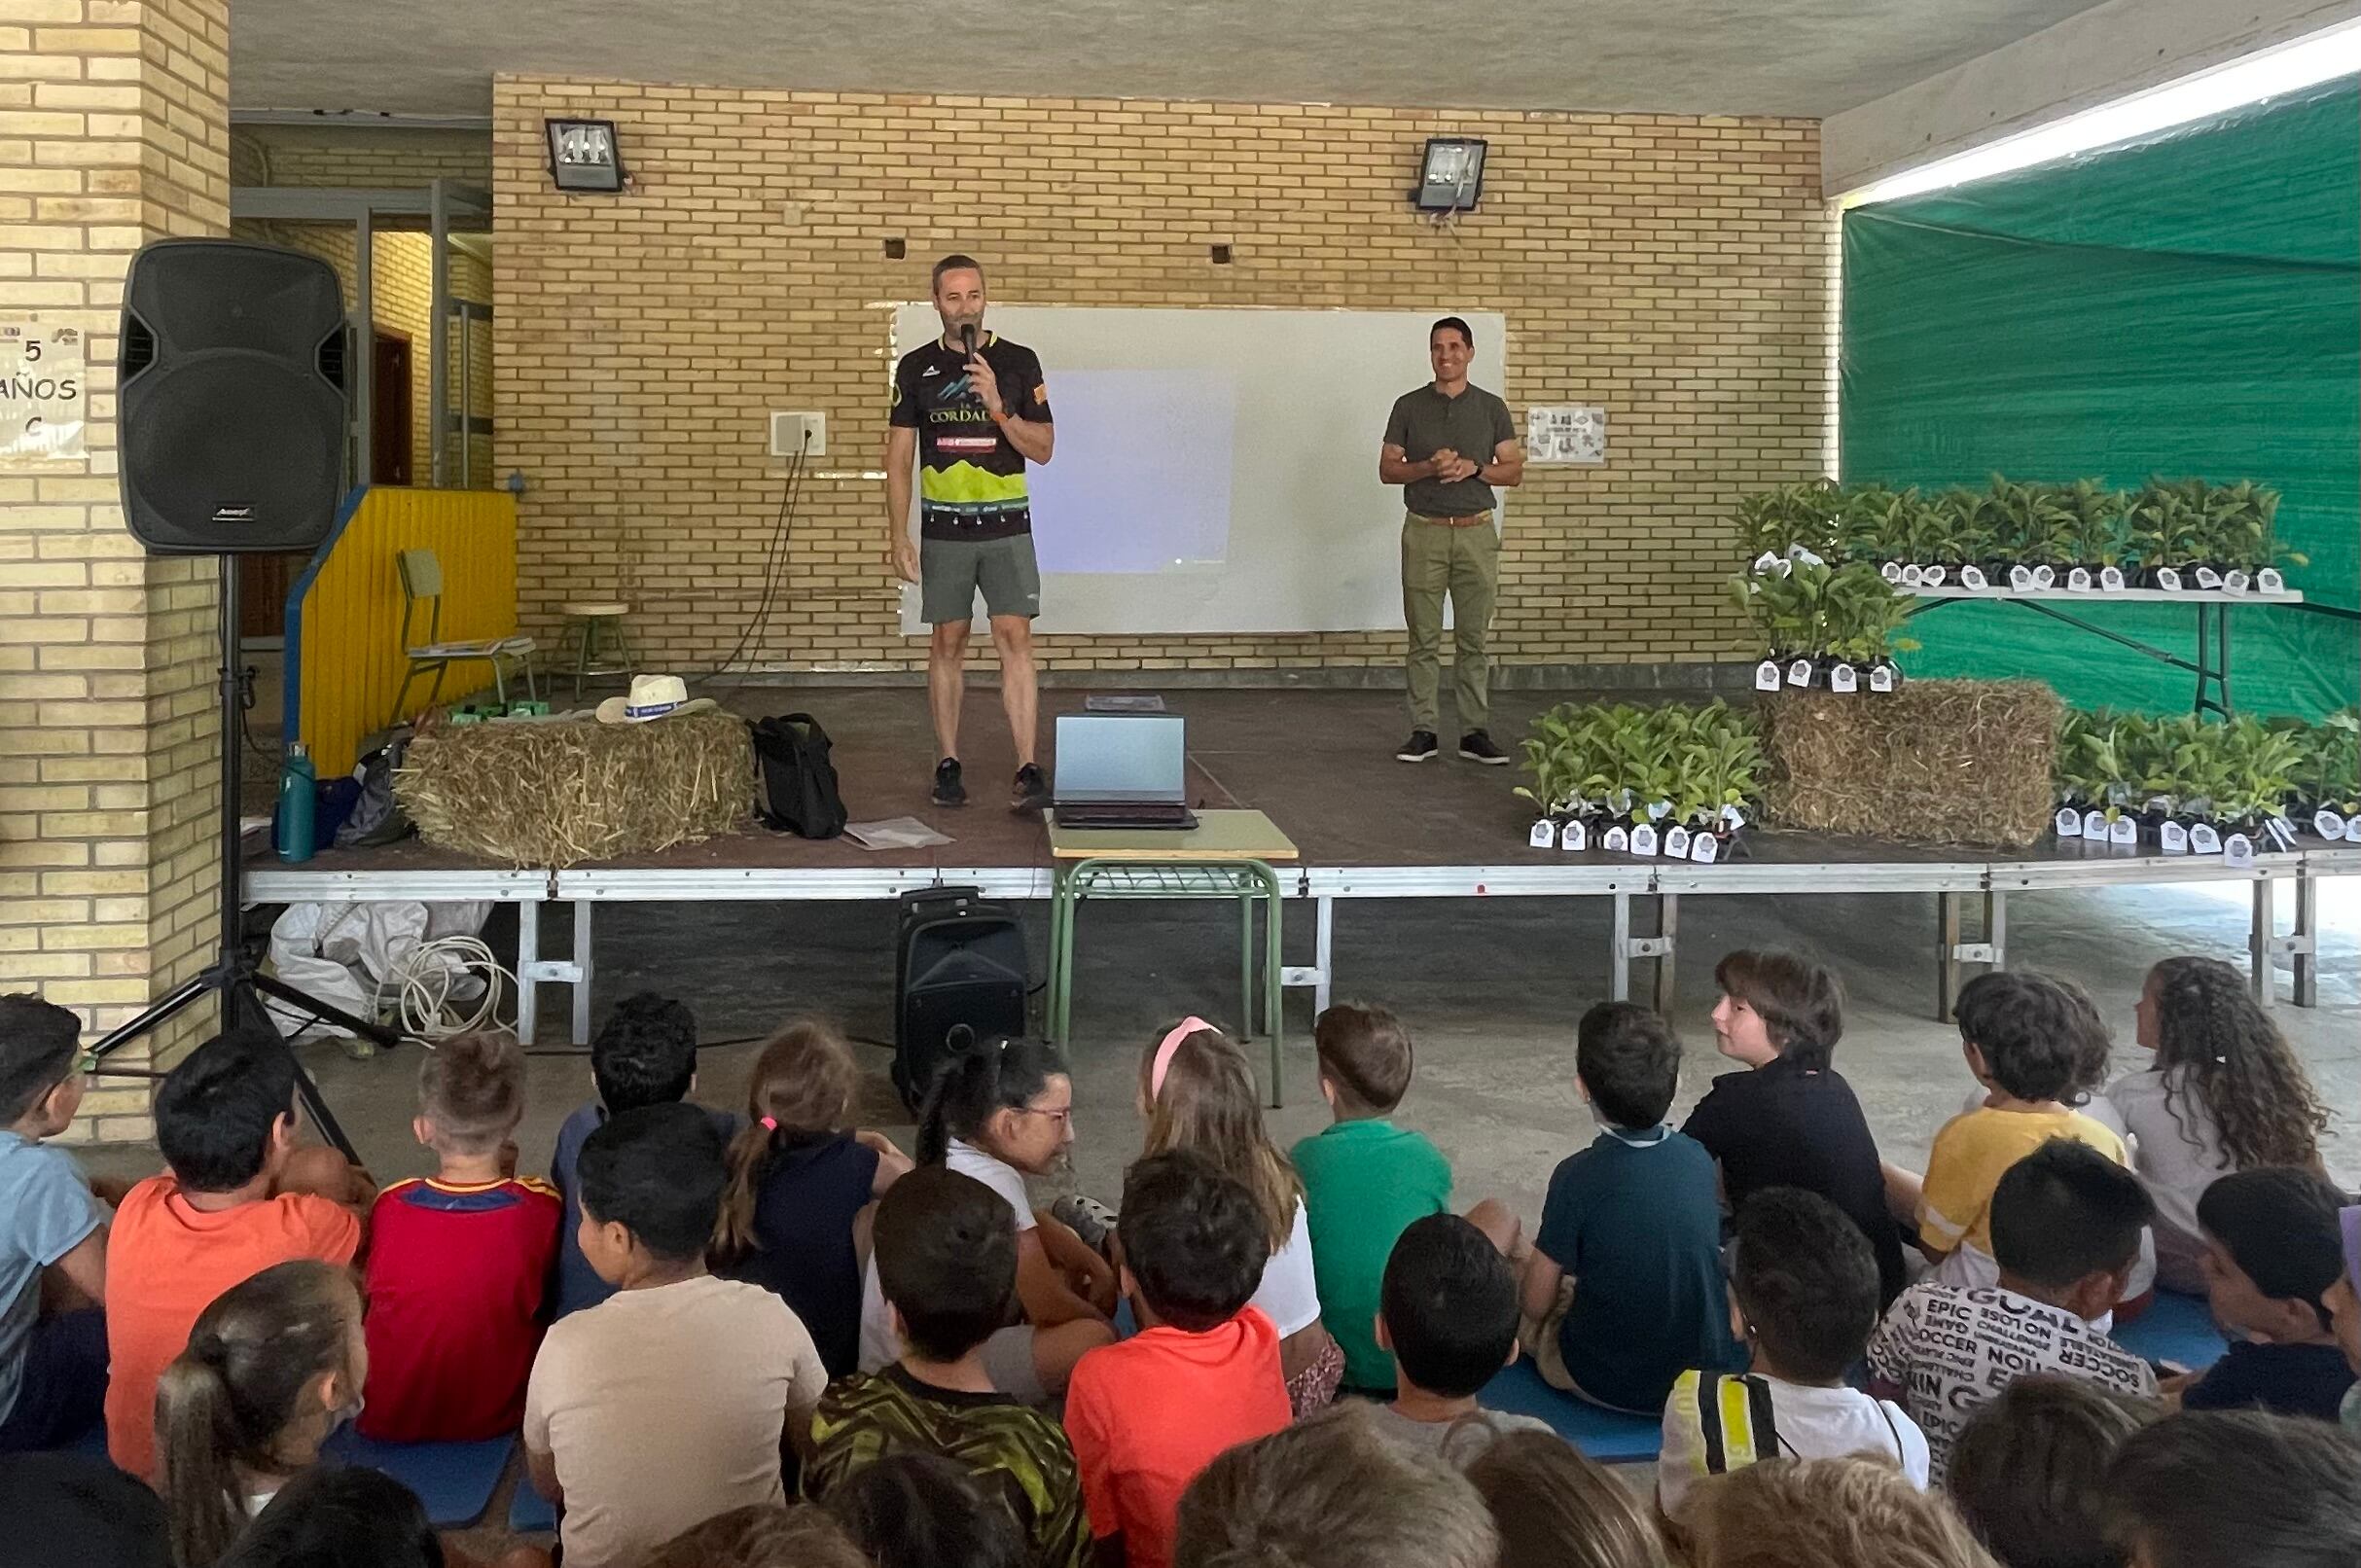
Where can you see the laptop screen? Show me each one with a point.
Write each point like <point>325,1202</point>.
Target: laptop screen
<point>1121,757</point>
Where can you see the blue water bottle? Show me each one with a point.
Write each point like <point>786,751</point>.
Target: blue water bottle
<point>299,792</point>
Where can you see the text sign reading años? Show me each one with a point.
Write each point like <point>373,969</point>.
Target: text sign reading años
<point>42,406</point>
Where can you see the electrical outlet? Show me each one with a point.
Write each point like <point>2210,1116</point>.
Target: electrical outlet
<point>807,432</point>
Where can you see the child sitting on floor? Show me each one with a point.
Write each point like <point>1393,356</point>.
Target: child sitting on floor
<point>1849,1512</point>
<point>238,1197</point>
<point>924,1510</point>
<point>2224,1093</point>
<point>1624,1291</point>
<point>1791,1119</point>
<point>1202,1374</point>
<point>459,1261</point>
<point>272,1367</point>
<point>2027,1040</point>
<point>1198,1092</point>
<point>2210,1488</point>
<point>2272,1254</point>
<point>53,1239</point>
<point>1448,1315</point>
<point>645,1054</point>
<point>668,1402</point>
<point>947,1261</point>
<point>1364,1179</point>
<point>999,1110</point>
<point>2066,1226</point>
<point>800,1181</point>
<point>2345,1313</point>
<point>2029,1470</point>
<point>1804,1297</point>
<point>1556,1506</point>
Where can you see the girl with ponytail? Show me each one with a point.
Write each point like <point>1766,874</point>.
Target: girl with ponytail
<point>272,1367</point>
<point>794,1217</point>
<point>1001,1110</point>
<point>2225,1093</point>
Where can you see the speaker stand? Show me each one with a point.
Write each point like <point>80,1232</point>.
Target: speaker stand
<point>232,973</point>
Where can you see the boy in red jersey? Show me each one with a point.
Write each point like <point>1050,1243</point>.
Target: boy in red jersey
<point>458,1262</point>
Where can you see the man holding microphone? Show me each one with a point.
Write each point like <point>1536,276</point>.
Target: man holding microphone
<point>1448,443</point>
<point>971,409</point>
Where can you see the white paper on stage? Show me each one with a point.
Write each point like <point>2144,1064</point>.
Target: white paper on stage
<point>1216,470</point>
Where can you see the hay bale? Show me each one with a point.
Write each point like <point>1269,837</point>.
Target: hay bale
<point>1937,761</point>
<point>552,794</point>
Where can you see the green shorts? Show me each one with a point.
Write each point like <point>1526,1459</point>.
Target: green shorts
<point>952,570</point>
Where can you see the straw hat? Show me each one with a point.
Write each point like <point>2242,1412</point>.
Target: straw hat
<point>653,697</point>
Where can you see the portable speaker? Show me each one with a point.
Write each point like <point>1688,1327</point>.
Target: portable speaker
<point>962,964</point>
<point>231,398</point>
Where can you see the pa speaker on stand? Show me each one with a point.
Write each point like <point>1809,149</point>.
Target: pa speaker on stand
<point>230,393</point>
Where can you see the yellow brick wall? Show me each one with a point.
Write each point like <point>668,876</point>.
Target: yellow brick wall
<point>371,157</point>
<point>1674,268</point>
<point>113,131</point>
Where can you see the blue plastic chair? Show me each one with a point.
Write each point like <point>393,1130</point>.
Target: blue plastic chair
<point>528,1512</point>
<point>455,1481</point>
<point>1608,1436</point>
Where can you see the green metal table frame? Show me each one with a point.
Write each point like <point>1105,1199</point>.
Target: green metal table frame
<point>1135,876</point>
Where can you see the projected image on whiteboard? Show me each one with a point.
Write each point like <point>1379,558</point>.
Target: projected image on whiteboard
<point>1141,479</point>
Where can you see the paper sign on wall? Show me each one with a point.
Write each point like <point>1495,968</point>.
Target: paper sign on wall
<point>1567,433</point>
<point>42,405</point>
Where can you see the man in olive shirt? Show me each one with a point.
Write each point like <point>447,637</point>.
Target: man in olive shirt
<point>1448,443</point>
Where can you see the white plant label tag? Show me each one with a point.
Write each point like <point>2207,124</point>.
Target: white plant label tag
<point>1971,577</point>
<point>1703,848</point>
<point>2069,822</point>
<point>1658,810</point>
<point>2111,578</point>
<point>1734,817</point>
<point>2168,579</point>
<point>1913,577</point>
<point>1767,561</point>
<point>1643,840</point>
<point>2094,824</point>
<point>1803,556</point>
<point>1620,801</point>
<point>2124,830</point>
<point>1574,837</point>
<point>2174,838</point>
<point>2282,832</point>
<point>1799,673</point>
<point>2021,579</point>
<point>1934,576</point>
<point>1891,571</point>
<point>2205,839</point>
<point>2209,578</point>
<point>2077,581</point>
<point>2269,580</point>
<point>2044,577</point>
<point>1544,834</point>
<point>1767,675</point>
<point>1881,679</point>
<point>1676,843</point>
<point>1842,678</point>
<point>2352,830</point>
<point>2237,850</point>
<point>2328,825</point>
<point>1618,841</point>
<point>2233,581</point>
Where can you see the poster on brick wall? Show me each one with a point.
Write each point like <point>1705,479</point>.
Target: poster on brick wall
<point>1573,433</point>
<point>41,404</point>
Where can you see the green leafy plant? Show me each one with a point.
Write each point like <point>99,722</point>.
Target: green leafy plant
<point>1773,522</point>
<point>2031,523</point>
<point>2097,521</point>
<point>1627,758</point>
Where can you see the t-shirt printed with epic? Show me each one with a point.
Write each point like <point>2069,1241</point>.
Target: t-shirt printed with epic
<point>456,1278</point>
<point>168,1261</point>
<point>971,478</point>
<point>1948,1349</point>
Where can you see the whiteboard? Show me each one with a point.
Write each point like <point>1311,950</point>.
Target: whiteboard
<point>1216,470</point>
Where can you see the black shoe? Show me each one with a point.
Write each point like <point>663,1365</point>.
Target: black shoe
<point>949,791</point>
<point>1419,748</point>
<point>1031,791</point>
<point>1477,747</point>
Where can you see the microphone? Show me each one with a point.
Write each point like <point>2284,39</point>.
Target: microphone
<point>967,338</point>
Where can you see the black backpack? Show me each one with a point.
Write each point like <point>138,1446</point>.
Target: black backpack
<point>795,782</point>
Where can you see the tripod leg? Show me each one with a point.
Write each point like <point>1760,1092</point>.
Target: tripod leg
<point>246,1004</point>
<point>174,1001</point>
<point>272,986</point>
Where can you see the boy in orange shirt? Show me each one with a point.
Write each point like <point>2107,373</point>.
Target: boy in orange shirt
<point>1146,1414</point>
<point>239,1196</point>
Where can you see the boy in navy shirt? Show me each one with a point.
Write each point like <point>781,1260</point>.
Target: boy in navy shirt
<point>2271,1251</point>
<point>1624,1291</point>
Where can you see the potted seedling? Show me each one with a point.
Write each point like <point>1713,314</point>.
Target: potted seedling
<point>2033,530</point>
<point>2095,536</point>
<point>1788,614</point>
<point>2327,794</point>
<point>1861,614</point>
<point>2170,530</point>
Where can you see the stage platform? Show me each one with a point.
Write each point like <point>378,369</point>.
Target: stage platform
<point>1320,763</point>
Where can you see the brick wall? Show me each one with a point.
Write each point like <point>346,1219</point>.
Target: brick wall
<point>371,156</point>
<point>1672,268</point>
<point>113,131</point>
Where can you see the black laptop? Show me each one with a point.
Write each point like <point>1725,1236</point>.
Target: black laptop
<point>1121,771</point>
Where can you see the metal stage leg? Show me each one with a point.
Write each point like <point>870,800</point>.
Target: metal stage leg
<point>2303,953</point>
<point>1951,954</point>
<point>583,970</point>
<point>1314,977</point>
<point>1628,946</point>
<point>1668,928</point>
<point>1619,951</point>
<point>528,965</point>
<point>2264,946</point>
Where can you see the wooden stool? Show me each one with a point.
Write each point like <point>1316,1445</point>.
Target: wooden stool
<point>602,643</point>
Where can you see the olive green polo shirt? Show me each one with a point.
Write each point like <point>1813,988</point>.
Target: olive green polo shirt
<point>1472,424</point>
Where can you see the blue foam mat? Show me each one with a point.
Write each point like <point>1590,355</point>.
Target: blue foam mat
<point>455,1481</point>
<point>2175,1328</point>
<point>528,1512</point>
<point>1606,1435</point>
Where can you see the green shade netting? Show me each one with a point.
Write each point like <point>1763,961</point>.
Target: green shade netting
<point>2188,304</point>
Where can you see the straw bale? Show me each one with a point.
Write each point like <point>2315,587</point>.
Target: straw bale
<point>551,794</point>
<point>1935,762</point>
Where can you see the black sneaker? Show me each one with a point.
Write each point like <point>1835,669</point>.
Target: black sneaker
<point>1477,747</point>
<point>949,791</point>
<point>1031,791</point>
<point>1419,748</point>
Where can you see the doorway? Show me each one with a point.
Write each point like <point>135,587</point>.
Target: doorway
<point>390,409</point>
